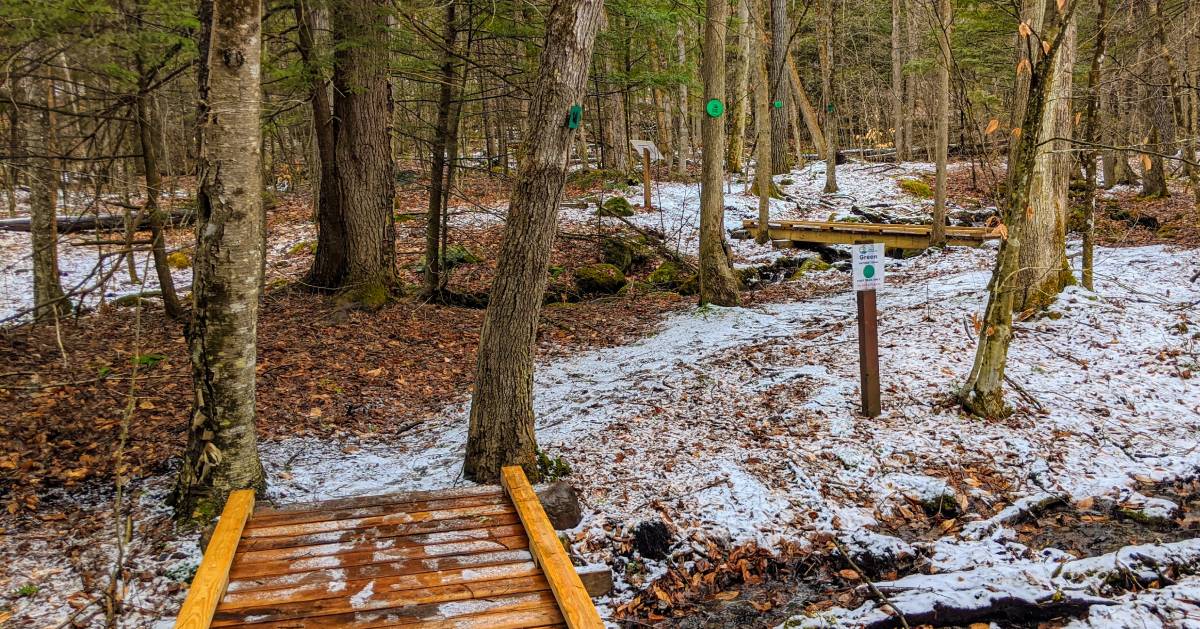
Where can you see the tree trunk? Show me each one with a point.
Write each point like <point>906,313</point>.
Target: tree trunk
<point>1154,178</point>
<point>149,150</point>
<point>221,454</point>
<point>780,94</point>
<point>898,60</point>
<point>807,112</point>
<point>684,133</point>
<point>501,429</point>
<point>662,108</point>
<point>616,142</point>
<point>825,53</point>
<point>1029,50</point>
<point>740,92</point>
<point>1179,110</point>
<point>717,283</point>
<point>944,12</point>
<point>362,107</point>
<point>329,264</point>
<point>762,139</point>
<point>447,119</point>
<point>48,297</point>
<point>983,392</point>
<point>1091,125</point>
<point>1044,270</point>
<point>910,81</point>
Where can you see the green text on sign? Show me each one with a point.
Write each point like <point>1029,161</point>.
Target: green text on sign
<point>715,108</point>
<point>575,116</point>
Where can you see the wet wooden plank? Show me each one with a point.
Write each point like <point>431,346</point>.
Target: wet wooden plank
<point>363,501</point>
<point>379,520</point>
<point>323,577</point>
<point>378,532</point>
<point>577,608</point>
<point>339,588</point>
<point>241,570</point>
<point>209,583</point>
<point>366,511</point>
<point>469,613</point>
<point>387,543</point>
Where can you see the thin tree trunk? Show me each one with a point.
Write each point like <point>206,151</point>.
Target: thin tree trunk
<point>329,264</point>
<point>221,454</point>
<point>910,81</point>
<point>662,108</point>
<point>48,297</point>
<point>684,135</point>
<point>1179,110</point>
<point>780,94</point>
<point>739,94</point>
<point>616,141</point>
<point>937,234</point>
<point>807,112</point>
<point>898,79</point>
<point>149,149</point>
<point>438,177</point>
<point>1091,126</point>
<point>717,283</point>
<point>1154,177</point>
<point>501,429</point>
<point>762,139</point>
<point>825,54</point>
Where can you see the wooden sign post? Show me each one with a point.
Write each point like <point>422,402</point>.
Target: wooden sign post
<point>649,152</point>
<point>868,276</point>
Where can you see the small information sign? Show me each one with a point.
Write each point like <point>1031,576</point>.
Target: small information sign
<point>867,266</point>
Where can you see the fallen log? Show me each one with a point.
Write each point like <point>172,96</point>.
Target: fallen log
<point>92,222</point>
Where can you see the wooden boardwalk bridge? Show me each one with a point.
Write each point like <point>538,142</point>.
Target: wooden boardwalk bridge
<point>478,557</point>
<point>785,234</point>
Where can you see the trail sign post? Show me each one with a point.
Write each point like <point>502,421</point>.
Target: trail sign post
<point>648,151</point>
<point>867,269</point>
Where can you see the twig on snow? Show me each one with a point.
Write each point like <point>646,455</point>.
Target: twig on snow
<point>871,586</point>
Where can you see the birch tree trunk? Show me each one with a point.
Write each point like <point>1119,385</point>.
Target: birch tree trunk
<point>1043,260</point>
<point>717,283</point>
<point>937,234</point>
<point>221,454</point>
<point>501,429</point>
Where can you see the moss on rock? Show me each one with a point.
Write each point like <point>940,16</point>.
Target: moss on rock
<point>624,253</point>
<point>601,279</point>
<point>810,264</point>
<point>615,206</point>
<point>669,276</point>
<point>179,260</point>
<point>917,188</point>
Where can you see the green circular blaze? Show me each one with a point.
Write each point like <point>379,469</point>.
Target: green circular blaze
<point>715,108</point>
<point>869,271</point>
<point>778,104</point>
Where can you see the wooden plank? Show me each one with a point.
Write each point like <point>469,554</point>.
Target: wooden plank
<point>378,520</point>
<point>387,543</point>
<point>378,532</point>
<point>366,511</point>
<point>211,578</point>
<point>577,608</point>
<point>447,614</point>
<point>338,588</point>
<point>241,570</point>
<point>366,501</point>
<point>371,595</point>
<point>322,578</point>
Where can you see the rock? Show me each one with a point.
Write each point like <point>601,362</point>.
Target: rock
<point>669,276</point>
<point>599,279</point>
<point>810,264</point>
<point>615,206</point>
<point>561,504</point>
<point>917,188</point>
<point>624,253</point>
<point>453,256</point>
<point>651,539</point>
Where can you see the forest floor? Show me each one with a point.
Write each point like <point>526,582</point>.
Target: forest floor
<point>735,428</point>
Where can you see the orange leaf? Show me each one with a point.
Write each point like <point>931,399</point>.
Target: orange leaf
<point>1147,164</point>
<point>1023,66</point>
<point>1045,46</point>
<point>727,595</point>
<point>848,574</point>
<point>1024,29</point>
<point>992,126</point>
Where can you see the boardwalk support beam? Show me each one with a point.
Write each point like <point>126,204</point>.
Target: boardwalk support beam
<point>208,586</point>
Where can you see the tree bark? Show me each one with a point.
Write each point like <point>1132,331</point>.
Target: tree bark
<point>937,234</point>
<point>825,54</point>
<point>1043,259</point>
<point>157,217</point>
<point>1091,126</point>
<point>910,80</point>
<point>221,454</point>
<point>780,40</point>
<point>717,283</point>
<point>501,428</point>
<point>898,60</point>
<point>1154,177</point>
<point>684,133</point>
<point>362,107</point>
<point>615,138</point>
<point>740,92</point>
<point>983,392</point>
<point>329,264</point>
<point>1029,50</point>
<point>762,139</point>
<point>447,119</point>
<point>1179,109</point>
<point>48,297</point>
<point>807,112</point>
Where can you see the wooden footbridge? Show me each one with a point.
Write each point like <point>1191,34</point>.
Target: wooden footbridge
<point>784,234</point>
<point>478,557</point>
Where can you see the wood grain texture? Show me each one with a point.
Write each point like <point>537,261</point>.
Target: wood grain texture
<point>366,501</point>
<point>377,520</point>
<point>379,532</point>
<point>529,609</point>
<point>209,583</point>
<point>573,601</point>
<point>388,543</point>
<point>365,511</point>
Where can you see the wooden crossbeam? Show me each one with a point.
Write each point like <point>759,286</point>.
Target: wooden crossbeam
<point>208,586</point>
<point>573,600</point>
<point>900,236</point>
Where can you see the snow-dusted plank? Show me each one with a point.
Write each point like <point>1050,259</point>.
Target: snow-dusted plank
<point>330,562</point>
<point>377,520</point>
<point>297,512</point>
<point>378,532</point>
<point>435,503</point>
<point>412,541</point>
<point>503,610</point>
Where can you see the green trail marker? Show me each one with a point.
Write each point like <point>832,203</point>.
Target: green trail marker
<point>575,116</point>
<point>715,108</point>
<point>778,104</point>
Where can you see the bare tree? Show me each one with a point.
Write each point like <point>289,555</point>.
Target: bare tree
<point>945,22</point>
<point>717,282</point>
